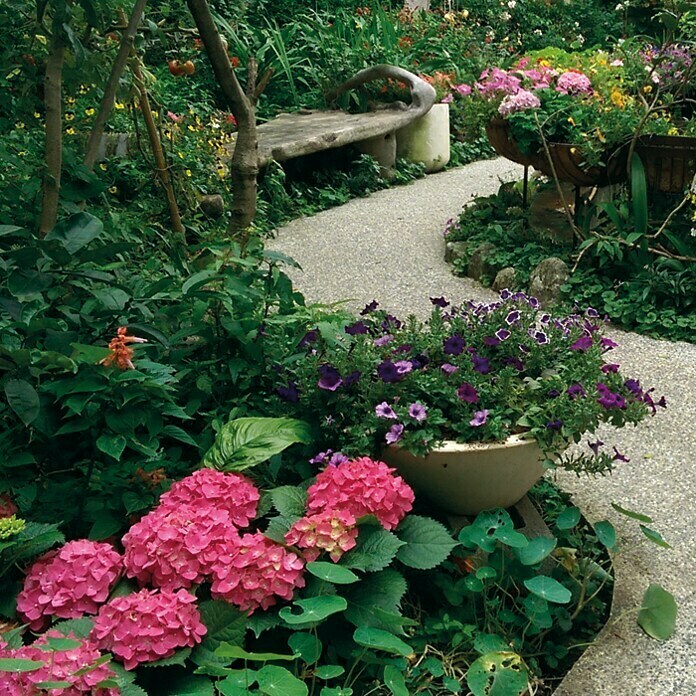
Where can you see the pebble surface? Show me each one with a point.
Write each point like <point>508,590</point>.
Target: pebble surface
<point>390,247</point>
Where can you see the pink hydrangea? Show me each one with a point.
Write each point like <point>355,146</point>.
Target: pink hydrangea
<point>572,82</point>
<point>495,81</point>
<point>148,626</point>
<point>68,582</point>
<point>259,573</point>
<point>522,101</point>
<point>173,547</point>
<point>463,89</point>
<point>58,666</point>
<point>362,487</point>
<point>234,493</point>
<point>333,531</point>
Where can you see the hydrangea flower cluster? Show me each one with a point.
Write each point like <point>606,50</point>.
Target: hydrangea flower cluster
<point>257,574</point>
<point>176,546</point>
<point>574,82</point>
<point>58,666</point>
<point>233,493</point>
<point>522,101</point>
<point>148,626</point>
<point>69,582</point>
<point>362,487</point>
<point>331,531</point>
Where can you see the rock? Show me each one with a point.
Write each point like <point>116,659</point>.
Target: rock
<point>546,279</point>
<point>505,278</point>
<point>479,263</point>
<point>213,206</point>
<point>455,251</point>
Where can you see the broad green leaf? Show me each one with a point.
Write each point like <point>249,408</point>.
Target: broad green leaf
<point>332,572</point>
<point>377,639</point>
<point>633,515</point>
<point>225,624</point>
<point>178,658</point>
<point>237,683</point>
<point>278,681</point>
<point>511,537</point>
<point>113,299</point>
<point>489,642</point>
<point>104,526</point>
<point>658,613</point>
<point>245,442</point>
<point>395,681</point>
<point>381,591</point>
<point>61,644</point>
<point>313,609</point>
<point>53,685</point>
<point>481,532</point>
<point>498,674</point>
<point>112,444</point>
<point>307,646</point>
<point>654,536</point>
<point>606,533</point>
<point>568,518</point>
<point>76,231</point>
<point>427,542</point>
<point>23,400</point>
<point>536,551</point>
<point>19,664</point>
<point>639,195</point>
<point>336,691</point>
<point>329,672</point>
<point>289,501</point>
<point>375,550</point>
<point>235,652</point>
<point>549,589</point>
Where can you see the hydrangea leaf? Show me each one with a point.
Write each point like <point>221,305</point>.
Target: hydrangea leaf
<point>427,542</point>
<point>278,681</point>
<point>549,589</point>
<point>658,613</point>
<point>178,658</point>
<point>376,600</point>
<point>376,549</point>
<point>81,628</point>
<point>245,442</point>
<point>225,624</point>
<point>377,639</point>
<point>289,501</point>
<point>498,674</point>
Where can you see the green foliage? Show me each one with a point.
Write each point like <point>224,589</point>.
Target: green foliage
<point>658,613</point>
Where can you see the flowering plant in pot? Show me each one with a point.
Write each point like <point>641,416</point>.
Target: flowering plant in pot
<point>477,373</point>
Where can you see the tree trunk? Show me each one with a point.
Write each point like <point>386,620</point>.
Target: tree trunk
<point>244,166</point>
<point>53,100</point>
<point>107,102</point>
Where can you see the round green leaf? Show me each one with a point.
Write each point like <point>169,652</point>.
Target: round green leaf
<point>549,589</point>
<point>19,664</point>
<point>568,518</point>
<point>498,674</point>
<point>658,613</point>
<point>307,646</point>
<point>328,671</point>
<point>313,609</point>
<point>536,551</point>
<point>606,533</point>
<point>332,572</point>
<point>395,681</point>
<point>378,639</point>
<point>278,681</point>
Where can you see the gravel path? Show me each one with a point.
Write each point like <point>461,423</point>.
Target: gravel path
<point>390,247</point>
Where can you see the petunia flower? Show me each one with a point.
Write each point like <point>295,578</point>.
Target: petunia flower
<point>330,378</point>
<point>467,392</point>
<point>480,418</point>
<point>418,412</point>
<point>453,345</point>
<point>394,433</point>
<point>384,410</point>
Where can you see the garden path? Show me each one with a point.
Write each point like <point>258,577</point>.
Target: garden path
<point>390,247</point>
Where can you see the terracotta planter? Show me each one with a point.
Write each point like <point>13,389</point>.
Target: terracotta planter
<point>465,479</point>
<point>669,161</point>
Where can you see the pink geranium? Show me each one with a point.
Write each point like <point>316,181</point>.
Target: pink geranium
<point>233,493</point>
<point>362,487</point>
<point>259,573</point>
<point>173,547</point>
<point>332,531</point>
<point>148,626</point>
<point>76,666</point>
<point>69,582</point>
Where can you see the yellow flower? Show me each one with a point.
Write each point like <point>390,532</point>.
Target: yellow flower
<point>180,155</point>
<point>647,89</point>
<point>89,112</point>
<point>673,131</point>
<point>119,106</point>
<point>188,173</point>
<point>618,99</point>
<point>571,121</point>
<point>70,100</point>
<point>69,117</point>
<point>37,114</point>
<point>102,166</point>
<point>113,189</point>
<point>600,136</point>
<point>70,131</point>
<point>19,125</point>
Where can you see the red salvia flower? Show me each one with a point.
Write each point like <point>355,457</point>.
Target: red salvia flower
<point>121,354</point>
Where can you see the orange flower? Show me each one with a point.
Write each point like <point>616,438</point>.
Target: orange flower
<point>234,61</point>
<point>121,355</point>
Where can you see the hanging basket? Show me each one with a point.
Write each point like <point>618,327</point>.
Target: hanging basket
<point>568,163</point>
<point>498,132</point>
<point>669,161</point>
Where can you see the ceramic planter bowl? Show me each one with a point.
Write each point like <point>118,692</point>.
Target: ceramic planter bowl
<point>464,479</point>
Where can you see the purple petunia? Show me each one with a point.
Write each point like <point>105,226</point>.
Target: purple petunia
<point>555,424</point>
<point>633,385</point>
<point>403,367</point>
<point>439,302</point>
<point>418,412</point>
<point>454,345</point>
<point>480,418</point>
<point>369,308</point>
<point>620,457</point>
<point>467,392</point>
<point>575,390</point>
<point>383,340</point>
<point>512,317</point>
<point>491,341</point>
<point>309,338</point>
<point>329,457</point>
<point>289,393</point>
<point>481,364</point>
<point>610,367</point>
<point>582,344</point>
<point>592,313</point>
<point>352,378</point>
<point>355,329</point>
<point>541,338</point>
<point>607,343</point>
<point>594,446</point>
<point>448,368</point>
<point>553,393</point>
<point>394,433</point>
<point>388,372</point>
<point>329,378</point>
<point>384,410</point>
<point>515,362</point>
<point>502,334</point>
<point>609,399</point>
